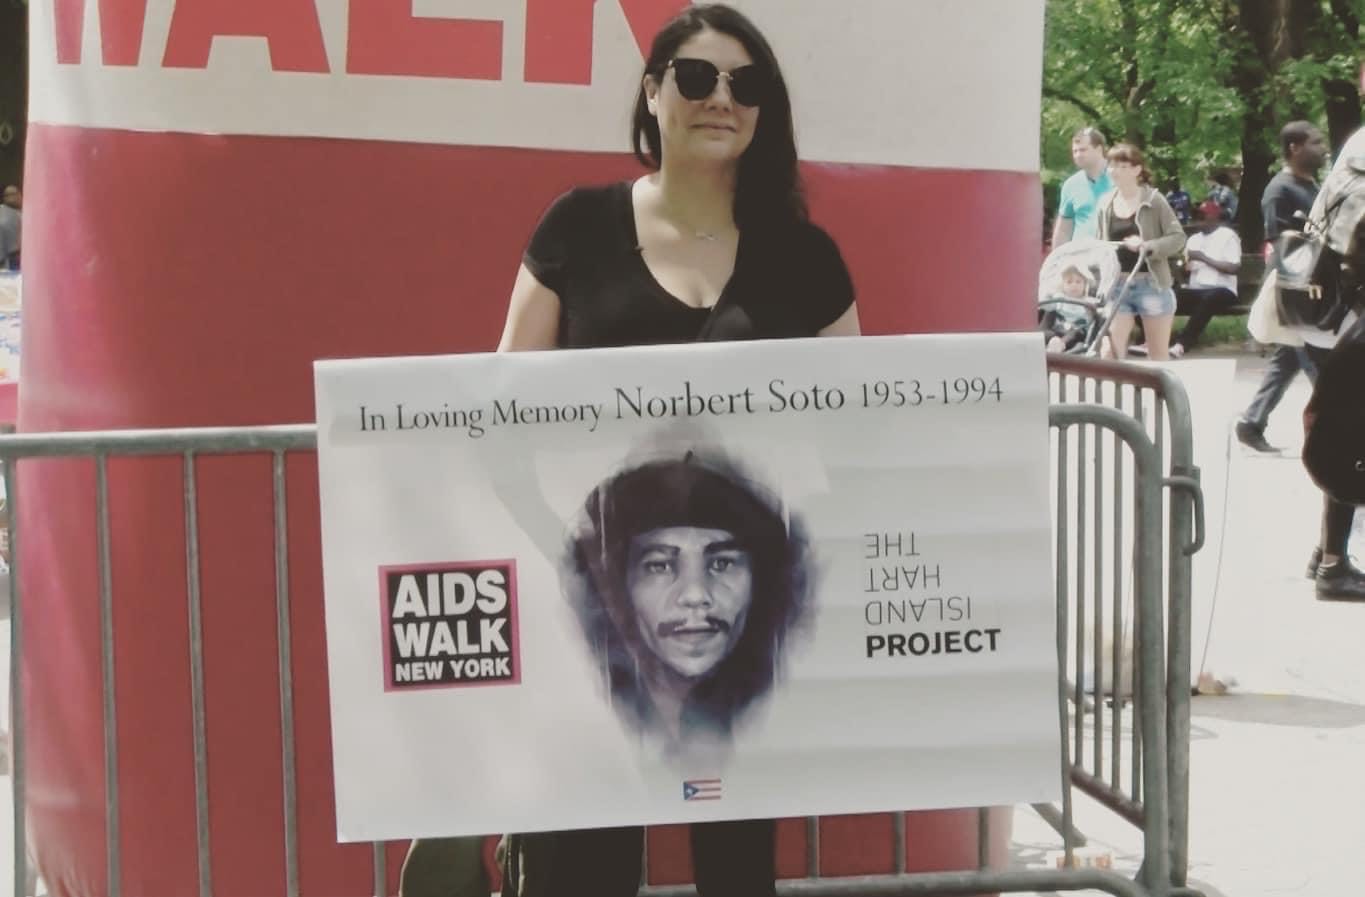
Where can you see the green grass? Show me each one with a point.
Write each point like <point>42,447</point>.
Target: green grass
<point>1222,330</point>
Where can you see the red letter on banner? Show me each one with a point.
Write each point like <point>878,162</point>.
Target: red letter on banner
<point>387,39</point>
<point>559,35</point>
<point>121,24</point>
<point>289,26</point>
<point>559,41</point>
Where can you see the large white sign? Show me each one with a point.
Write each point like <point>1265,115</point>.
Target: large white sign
<point>667,584</point>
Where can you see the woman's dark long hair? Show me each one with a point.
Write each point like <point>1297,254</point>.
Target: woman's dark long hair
<point>768,186</point>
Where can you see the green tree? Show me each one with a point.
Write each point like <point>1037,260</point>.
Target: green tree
<point>1202,87</point>
<point>1144,71</point>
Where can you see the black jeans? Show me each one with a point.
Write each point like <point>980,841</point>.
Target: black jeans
<point>1336,516</point>
<point>1207,301</point>
<point>729,859</point>
<point>1336,526</point>
<point>1285,362</point>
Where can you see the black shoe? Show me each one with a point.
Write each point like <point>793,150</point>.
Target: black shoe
<point>1314,561</point>
<point>1250,435</point>
<point>1340,582</point>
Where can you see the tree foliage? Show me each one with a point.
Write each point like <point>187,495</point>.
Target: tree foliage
<point>1201,86</point>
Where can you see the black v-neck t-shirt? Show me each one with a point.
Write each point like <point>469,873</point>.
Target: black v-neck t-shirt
<point>789,282</point>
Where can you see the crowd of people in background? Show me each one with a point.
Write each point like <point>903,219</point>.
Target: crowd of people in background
<point>1197,272</point>
<point>1110,198</point>
<point>1180,253</point>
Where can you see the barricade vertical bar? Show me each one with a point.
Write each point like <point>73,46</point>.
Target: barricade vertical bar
<point>1159,428</point>
<point>1160,408</point>
<point>813,846</point>
<point>1159,441</point>
<point>1063,626</point>
<point>1081,498</point>
<point>112,839</point>
<point>1094,554</point>
<point>1116,650</point>
<point>381,871</point>
<point>983,838</point>
<point>1077,717</point>
<point>1178,747</point>
<point>1118,578</point>
<point>17,759</point>
<point>201,799</point>
<point>282,634</point>
<point>1098,592</point>
<point>1139,636</point>
<point>1151,678</point>
<point>898,829</point>
<point>1181,545</point>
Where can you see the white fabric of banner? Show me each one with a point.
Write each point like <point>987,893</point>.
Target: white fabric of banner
<point>683,583</point>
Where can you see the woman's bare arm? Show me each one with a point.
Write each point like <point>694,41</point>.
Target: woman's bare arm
<point>532,323</point>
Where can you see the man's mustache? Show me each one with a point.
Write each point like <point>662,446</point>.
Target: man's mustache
<point>715,624</point>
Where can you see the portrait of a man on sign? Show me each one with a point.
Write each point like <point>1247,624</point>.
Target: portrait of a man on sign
<point>688,580</point>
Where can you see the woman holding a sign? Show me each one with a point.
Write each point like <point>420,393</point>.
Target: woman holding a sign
<point>714,243</point>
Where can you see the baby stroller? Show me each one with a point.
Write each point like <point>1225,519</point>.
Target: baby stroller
<point>1078,288</point>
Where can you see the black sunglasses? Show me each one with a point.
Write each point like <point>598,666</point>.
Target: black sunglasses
<point>697,78</point>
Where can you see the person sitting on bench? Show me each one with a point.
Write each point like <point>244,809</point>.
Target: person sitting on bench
<point>1213,257</point>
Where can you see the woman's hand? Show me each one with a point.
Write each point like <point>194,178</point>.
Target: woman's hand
<point>1133,242</point>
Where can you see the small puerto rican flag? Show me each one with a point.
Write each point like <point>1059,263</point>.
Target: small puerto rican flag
<point>701,789</point>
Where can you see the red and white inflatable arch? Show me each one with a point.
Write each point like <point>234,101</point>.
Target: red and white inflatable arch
<point>221,191</point>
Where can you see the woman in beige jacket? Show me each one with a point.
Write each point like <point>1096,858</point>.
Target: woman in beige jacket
<point>1136,216</point>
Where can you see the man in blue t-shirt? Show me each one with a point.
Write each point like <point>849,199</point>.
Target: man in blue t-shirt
<point>1081,192</point>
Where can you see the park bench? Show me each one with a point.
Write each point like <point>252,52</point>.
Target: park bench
<point>1248,284</point>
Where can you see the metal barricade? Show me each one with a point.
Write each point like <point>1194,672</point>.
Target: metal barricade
<point>1150,801</point>
<point>1091,565</point>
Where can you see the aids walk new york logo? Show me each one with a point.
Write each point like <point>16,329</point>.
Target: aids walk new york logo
<point>701,789</point>
<point>450,624</point>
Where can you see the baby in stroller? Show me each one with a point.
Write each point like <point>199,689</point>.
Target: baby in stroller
<point>1067,323</point>
<point>1073,285</point>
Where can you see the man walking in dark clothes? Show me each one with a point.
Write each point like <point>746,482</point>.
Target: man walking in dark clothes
<point>1284,206</point>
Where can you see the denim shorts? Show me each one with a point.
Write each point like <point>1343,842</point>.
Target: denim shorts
<point>1144,296</point>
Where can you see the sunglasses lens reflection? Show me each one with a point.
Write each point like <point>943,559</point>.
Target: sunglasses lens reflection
<point>696,79</point>
<point>747,85</point>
